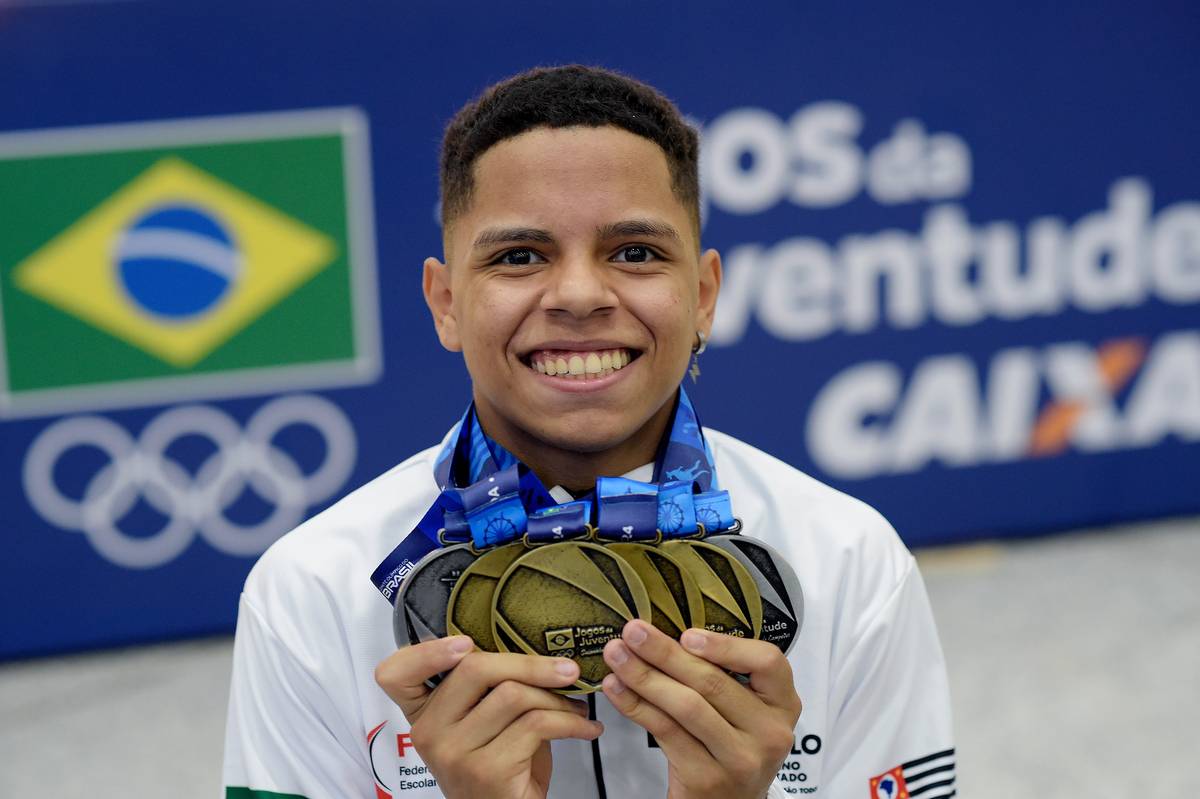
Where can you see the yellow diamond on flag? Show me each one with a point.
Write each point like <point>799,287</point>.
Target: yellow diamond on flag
<point>176,262</point>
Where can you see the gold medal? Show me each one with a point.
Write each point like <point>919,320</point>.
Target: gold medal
<point>568,600</point>
<point>732,604</point>
<point>675,599</point>
<point>469,611</point>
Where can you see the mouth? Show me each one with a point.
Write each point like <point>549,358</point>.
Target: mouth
<point>581,364</point>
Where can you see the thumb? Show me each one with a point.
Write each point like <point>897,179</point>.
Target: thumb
<point>402,675</point>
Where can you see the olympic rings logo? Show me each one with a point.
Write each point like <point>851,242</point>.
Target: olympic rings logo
<point>191,503</point>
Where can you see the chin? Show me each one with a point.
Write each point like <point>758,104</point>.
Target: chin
<point>573,442</point>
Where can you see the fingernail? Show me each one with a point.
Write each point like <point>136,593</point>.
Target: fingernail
<point>616,686</point>
<point>565,667</point>
<point>461,644</point>
<point>693,640</point>
<point>619,655</point>
<point>636,636</point>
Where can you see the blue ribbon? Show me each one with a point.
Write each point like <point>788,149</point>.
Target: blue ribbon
<point>677,509</point>
<point>626,510</point>
<point>494,509</point>
<point>713,510</point>
<point>560,523</point>
<point>490,498</point>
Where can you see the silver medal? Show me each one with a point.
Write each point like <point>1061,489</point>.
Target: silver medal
<point>419,612</point>
<point>782,596</point>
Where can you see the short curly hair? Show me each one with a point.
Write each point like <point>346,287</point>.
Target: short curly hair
<point>560,97</point>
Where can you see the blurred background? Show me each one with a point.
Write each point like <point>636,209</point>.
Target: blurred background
<point>962,282</point>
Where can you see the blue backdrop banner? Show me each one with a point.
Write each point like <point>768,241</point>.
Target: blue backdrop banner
<point>961,253</point>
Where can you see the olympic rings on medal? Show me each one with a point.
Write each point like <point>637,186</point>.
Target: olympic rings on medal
<point>191,503</point>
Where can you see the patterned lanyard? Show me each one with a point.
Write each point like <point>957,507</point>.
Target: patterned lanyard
<point>490,498</point>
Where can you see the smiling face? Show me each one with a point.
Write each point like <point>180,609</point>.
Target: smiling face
<point>574,256</point>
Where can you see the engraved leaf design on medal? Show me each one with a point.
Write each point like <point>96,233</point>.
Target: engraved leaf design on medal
<point>675,599</point>
<point>568,600</point>
<point>782,595</point>
<point>422,601</point>
<point>731,601</point>
<point>470,608</point>
<point>420,610</point>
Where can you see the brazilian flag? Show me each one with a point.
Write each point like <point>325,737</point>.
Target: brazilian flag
<point>206,257</point>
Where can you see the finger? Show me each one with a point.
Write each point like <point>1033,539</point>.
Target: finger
<point>770,672</point>
<point>480,672</point>
<point>505,704</point>
<point>677,743</point>
<point>729,699</point>
<point>722,753</point>
<point>402,676</point>
<point>685,706</point>
<point>510,698</point>
<point>527,733</point>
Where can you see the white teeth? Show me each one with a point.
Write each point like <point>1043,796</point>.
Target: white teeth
<point>581,367</point>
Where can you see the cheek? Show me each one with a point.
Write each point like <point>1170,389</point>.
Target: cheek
<point>487,316</point>
<point>670,314</point>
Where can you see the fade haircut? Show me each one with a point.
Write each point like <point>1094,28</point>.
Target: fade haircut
<point>560,97</point>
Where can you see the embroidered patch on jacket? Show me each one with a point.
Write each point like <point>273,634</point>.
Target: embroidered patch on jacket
<point>889,785</point>
<point>929,777</point>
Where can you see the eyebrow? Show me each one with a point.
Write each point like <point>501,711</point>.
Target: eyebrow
<point>501,235</point>
<point>654,228</point>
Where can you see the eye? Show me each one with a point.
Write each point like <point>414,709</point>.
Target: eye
<point>519,257</point>
<point>636,254</point>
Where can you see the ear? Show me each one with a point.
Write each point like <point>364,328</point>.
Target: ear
<point>710,286</point>
<point>440,300</point>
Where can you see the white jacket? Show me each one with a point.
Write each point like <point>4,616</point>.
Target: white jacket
<point>306,717</point>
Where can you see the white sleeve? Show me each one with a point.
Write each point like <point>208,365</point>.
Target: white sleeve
<point>889,704</point>
<point>284,735</point>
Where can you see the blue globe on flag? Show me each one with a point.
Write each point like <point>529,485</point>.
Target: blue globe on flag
<point>177,262</point>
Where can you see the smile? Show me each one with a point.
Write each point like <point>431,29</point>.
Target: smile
<point>580,365</point>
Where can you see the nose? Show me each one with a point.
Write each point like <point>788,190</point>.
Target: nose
<point>579,286</point>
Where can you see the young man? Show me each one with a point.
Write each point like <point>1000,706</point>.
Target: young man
<point>576,289</point>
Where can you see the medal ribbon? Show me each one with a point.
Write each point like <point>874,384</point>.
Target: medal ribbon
<point>491,498</point>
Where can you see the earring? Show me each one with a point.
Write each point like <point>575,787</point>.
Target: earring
<point>697,350</point>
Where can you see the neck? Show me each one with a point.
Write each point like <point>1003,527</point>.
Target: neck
<point>560,465</point>
<point>577,471</point>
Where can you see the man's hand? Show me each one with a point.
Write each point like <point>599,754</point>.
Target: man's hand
<point>721,738</point>
<point>485,731</point>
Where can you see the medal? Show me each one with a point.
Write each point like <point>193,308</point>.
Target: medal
<point>420,610</point>
<point>469,611</point>
<point>675,600</point>
<point>778,585</point>
<point>568,600</point>
<point>730,597</point>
